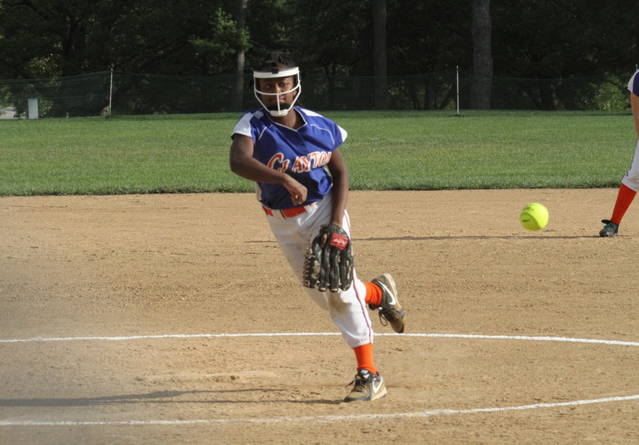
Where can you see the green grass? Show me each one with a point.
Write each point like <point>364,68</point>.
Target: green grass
<point>384,151</point>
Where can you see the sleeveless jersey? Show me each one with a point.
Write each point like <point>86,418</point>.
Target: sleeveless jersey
<point>302,153</point>
<point>633,85</point>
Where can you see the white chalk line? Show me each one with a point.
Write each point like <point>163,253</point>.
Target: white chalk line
<point>322,334</point>
<point>322,419</point>
<point>330,418</point>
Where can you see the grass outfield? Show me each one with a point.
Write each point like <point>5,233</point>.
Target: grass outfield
<point>384,151</point>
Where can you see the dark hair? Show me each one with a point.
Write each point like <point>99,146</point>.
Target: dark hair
<point>277,58</point>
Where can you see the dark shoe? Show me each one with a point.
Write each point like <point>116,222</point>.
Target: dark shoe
<point>366,387</point>
<point>390,311</point>
<point>610,228</point>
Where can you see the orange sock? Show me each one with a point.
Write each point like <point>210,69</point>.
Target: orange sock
<point>624,199</point>
<point>364,355</point>
<point>373,294</point>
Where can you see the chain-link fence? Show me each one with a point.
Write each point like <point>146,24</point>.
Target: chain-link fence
<point>85,95</point>
<point>115,92</point>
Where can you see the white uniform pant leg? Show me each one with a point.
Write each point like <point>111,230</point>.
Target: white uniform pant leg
<point>348,308</point>
<point>631,178</point>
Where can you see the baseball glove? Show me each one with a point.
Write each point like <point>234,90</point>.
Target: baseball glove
<point>329,260</point>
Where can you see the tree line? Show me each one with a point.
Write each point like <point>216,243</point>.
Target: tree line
<point>525,39</point>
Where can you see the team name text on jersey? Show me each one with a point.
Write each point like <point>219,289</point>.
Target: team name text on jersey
<point>302,164</point>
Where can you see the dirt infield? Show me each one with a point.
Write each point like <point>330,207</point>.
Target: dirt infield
<point>173,319</point>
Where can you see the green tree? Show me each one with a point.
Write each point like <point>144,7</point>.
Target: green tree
<point>222,44</point>
<point>380,57</point>
<point>330,43</point>
<point>240,23</point>
<point>1,28</point>
<point>330,39</point>
<point>269,25</point>
<point>482,55</point>
<point>547,41</point>
<point>48,38</point>
<point>551,40</point>
<point>158,36</point>
<point>429,39</point>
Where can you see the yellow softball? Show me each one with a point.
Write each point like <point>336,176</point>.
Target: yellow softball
<point>534,216</point>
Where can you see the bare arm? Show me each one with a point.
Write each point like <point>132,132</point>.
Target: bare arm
<point>338,170</point>
<point>245,165</point>
<point>634,102</point>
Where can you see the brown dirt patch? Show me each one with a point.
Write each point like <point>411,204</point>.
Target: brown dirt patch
<point>162,265</point>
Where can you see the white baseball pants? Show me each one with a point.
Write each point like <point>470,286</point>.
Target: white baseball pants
<point>347,309</point>
<point>631,178</point>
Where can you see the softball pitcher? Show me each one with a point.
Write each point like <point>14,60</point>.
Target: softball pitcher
<point>302,183</point>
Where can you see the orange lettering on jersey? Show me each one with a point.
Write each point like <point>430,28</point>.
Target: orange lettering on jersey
<point>306,163</point>
<point>302,164</point>
<point>313,159</point>
<point>277,162</point>
<point>298,166</point>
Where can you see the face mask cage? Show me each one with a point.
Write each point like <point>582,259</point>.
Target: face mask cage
<point>282,109</point>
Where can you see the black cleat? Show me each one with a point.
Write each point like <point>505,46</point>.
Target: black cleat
<point>366,387</point>
<point>610,229</point>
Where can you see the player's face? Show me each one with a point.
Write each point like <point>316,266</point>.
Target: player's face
<point>279,89</point>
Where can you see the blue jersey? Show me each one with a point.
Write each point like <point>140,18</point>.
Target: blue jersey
<point>633,85</point>
<point>302,153</point>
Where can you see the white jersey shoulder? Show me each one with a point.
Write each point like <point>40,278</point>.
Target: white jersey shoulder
<point>633,85</point>
<point>243,126</point>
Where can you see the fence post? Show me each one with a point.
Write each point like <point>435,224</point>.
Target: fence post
<point>458,90</point>
<point>110,94</point>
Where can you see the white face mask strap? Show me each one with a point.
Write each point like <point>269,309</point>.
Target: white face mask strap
<point>269,75</point>
<point>281,112</point>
